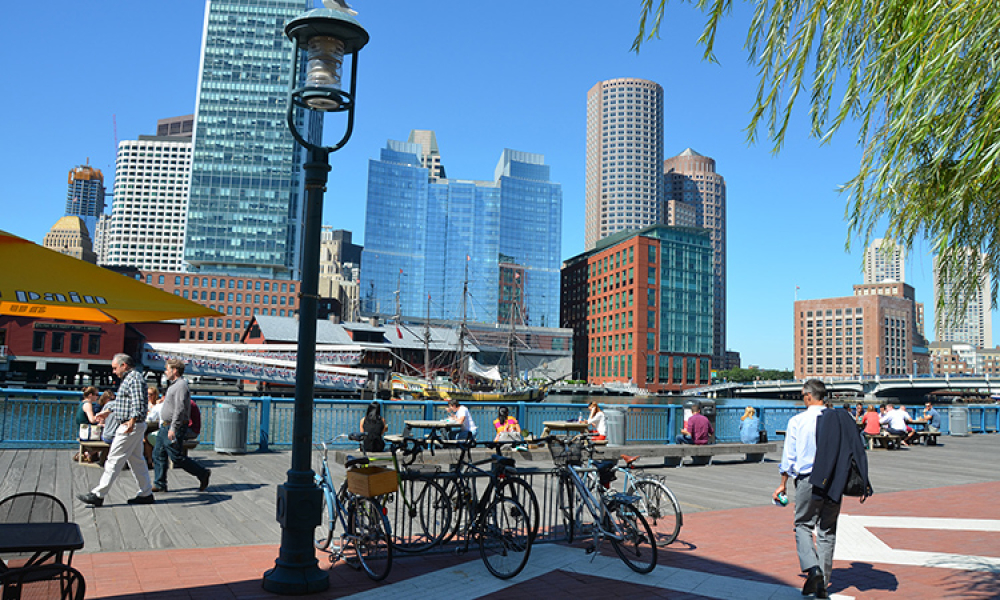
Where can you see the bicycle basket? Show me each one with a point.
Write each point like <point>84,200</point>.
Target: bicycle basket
<point>371,481</point>
<point>566,453</point>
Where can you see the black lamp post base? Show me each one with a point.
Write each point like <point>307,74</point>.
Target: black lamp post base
<point>295,580</point>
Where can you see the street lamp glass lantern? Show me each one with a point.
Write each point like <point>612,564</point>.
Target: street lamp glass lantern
<point>326,35</point>
<point>325,62</point>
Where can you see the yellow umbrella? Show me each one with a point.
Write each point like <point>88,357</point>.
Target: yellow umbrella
<point>41,283</point>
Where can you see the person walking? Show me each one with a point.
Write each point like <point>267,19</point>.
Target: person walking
<point>813,512</point>
<point>129,406</point>
<point>175,416</point>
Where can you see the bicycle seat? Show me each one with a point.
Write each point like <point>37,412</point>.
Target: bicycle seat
<point>503,461</point>
<point>357,436</point>
<point>629,460</point>
<point>356,462</point>
<point>604,466</point>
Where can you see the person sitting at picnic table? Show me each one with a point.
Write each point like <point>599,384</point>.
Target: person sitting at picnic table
<point>375,426</point>
<point>895,420</point>
<point>461,415</point>
<point>154,402</point>
<point>597,422</point>
<point>85,415</point>
<point>933,418</point>
<point>697,429</point>
<point>749,426</point>
<point>507,428</point>
<point>870,422</point>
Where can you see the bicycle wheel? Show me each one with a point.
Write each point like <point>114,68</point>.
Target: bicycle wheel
<point>566,505</point>
<point>636,548</point>
<point>462,501</point>
<point>370,537</point>
<point>504,537</point>
<point>660,507</point>
<point>324,531</point>
<point>419,514</point>
<point>518,489</point>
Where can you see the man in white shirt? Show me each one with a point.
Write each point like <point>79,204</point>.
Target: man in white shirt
<point>812,512</point>
<point>895,421</point>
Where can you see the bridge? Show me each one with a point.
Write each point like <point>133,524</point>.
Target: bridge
<point>908,388</point>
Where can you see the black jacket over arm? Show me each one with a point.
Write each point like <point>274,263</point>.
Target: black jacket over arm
<point>837,441</point>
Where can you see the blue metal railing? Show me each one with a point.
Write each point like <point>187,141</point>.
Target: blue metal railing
<point>43,418</point>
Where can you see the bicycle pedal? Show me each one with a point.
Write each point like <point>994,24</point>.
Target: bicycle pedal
<point>591,550</point>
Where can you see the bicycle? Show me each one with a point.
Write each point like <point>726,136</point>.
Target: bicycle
<point>363,523</point>
<point>615,517</point>
<point>656,502</point>
<point>462,492</point>
<point>419,511</point>
<point>497,520</point>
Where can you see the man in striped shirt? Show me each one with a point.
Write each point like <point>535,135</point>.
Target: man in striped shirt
<point>130,407</point>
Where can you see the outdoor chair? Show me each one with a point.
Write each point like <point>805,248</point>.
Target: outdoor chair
<point>32,507</point>
<point>43,582</point>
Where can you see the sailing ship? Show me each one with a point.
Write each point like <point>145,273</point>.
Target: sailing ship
<point>470,381</point>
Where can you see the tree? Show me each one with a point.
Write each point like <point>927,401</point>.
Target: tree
<point>920,78</point>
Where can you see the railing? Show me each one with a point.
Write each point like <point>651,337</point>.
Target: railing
<point>43,418</point>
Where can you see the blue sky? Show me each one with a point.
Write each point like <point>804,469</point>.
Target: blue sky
<point>484,76</point>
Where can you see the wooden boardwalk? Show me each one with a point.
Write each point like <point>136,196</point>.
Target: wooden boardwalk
<point>239,507</point>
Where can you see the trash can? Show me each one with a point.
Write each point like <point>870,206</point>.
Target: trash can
<point>708,411</point>
<point>615,422</point>
<point>958,421</point>
<point>231,426</point>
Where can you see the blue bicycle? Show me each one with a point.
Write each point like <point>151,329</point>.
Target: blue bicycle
<point>363,525</point>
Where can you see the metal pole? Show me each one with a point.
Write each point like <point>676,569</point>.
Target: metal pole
<point>300,502</point>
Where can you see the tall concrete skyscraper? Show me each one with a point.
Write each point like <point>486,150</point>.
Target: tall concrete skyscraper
<point>975,325</point>
<point>691,185</point>
<point>85,195</point>
<point>884,261</point>
<point>422,232</point>
<point>152,178</point>
<point>245,207</point>
<point>624,157</point>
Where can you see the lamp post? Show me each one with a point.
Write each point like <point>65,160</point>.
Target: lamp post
<point>326,35</point>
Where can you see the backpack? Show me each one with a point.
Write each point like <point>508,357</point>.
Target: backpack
<point>194,425</point>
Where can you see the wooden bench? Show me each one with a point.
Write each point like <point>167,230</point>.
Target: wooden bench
<point>674,454</point>
<point>885,440</point>
<point>928,437</point>
<point>189,444</point>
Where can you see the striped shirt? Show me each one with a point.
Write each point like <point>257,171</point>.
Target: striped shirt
<point>131,399</point>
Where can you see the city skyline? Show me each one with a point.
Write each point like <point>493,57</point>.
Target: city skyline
<point>785,218</point>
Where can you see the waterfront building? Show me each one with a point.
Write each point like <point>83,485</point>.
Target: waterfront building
<point>424,237</point>
<point>975,323</point>
<point>40,350</point>
<point>644,299</point>
<point>691,184</point>
<point>957,358</point>
<point>884,261</point>
<point>856,335</point>
<point>245,207</point>
<point>624,157</point>
<point>238,298</point>
<point>70,237</point>
<point>899,290</point>
<point>85,195</point>
<point>149,211</point>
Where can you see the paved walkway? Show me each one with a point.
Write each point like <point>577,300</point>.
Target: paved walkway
<point>931,543</point>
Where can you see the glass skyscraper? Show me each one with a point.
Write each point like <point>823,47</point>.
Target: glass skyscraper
<point>245,208</point>
<point>85,195</point>
<point>422,233</point>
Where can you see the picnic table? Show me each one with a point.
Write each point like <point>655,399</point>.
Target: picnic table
<point>568,426</point>
<point>43,540</point>
<point>440,425</point>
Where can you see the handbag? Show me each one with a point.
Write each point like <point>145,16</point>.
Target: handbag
<point>509,436</point>
<point>856,485</point>
<point>91,433</point>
